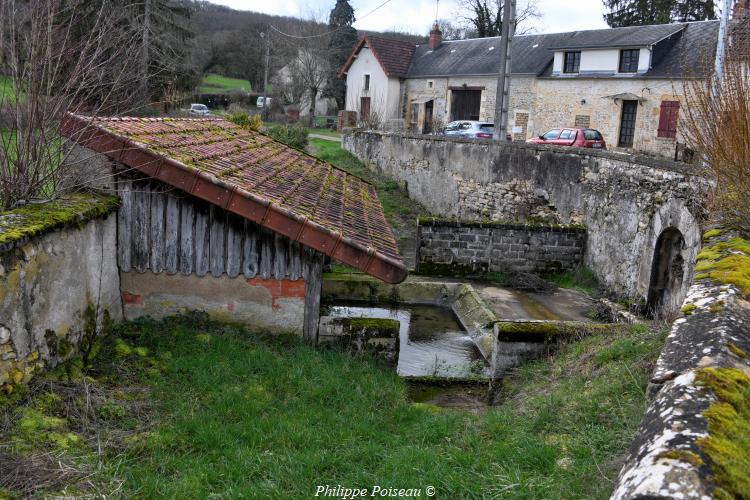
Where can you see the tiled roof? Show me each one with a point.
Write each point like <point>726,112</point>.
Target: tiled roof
<point>256,177</point>
<point>394,56</point>
<point>629,36</point>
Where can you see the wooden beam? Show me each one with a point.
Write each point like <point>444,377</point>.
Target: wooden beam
<point>313,283</point>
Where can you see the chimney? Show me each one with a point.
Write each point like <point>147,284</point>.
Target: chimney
<point>436,37</point>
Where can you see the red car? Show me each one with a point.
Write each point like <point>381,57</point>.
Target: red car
<point>572,137</point>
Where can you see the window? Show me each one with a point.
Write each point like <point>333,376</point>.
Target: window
<point>566,134</point>
<point>572,62</point>
<point>552,134</point>
<point>592,135</point>
<point>629,60</point>
<point>668,119</point>
<point>366,83</point>
<point>430,84</point>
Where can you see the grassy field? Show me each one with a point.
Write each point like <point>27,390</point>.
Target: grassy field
<point>189,408</point>
<point>217,84</point>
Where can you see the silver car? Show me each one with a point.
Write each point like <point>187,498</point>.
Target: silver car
<point>199,109</point>
<point>470,128</point>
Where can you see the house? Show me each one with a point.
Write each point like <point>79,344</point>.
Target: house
<point>625,82</point>
<point>223,219</point>
<point>292,82</point>
<point>374,77</point>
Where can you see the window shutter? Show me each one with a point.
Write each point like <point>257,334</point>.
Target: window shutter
<point>668,119</point>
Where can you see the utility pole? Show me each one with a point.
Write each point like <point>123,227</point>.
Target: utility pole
<point>265,76</point>
<point>502,96</point>
<point>721,44</point>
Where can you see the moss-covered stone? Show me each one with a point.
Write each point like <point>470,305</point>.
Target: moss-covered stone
<point>736,350</point>
<point>712,233</point>
<point>683,456</point>
<point>726,262</point>
<point>547,331</point>
<point>728,442</point>
<point>35,219</point>
<point>688,309</point>
<point>372,327</point>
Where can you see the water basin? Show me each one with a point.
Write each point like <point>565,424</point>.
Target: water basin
<point>432,342</point>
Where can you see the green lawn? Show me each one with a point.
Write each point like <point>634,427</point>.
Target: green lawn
<point>189,408</point>
<point>217,84</point>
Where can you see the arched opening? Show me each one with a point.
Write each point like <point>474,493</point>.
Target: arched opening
<point>667,272</point>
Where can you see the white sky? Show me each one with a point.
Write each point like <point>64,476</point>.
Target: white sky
<point>416,16</point>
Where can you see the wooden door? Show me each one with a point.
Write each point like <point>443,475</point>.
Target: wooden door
<point>364,107</point>
<point>465,104</point>
<point>427,127</point>
<point>627,124</point>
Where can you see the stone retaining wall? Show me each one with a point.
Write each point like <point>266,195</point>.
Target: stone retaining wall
<point>469,248</point>
<point>693,440</point>
<point>625,201</point>
<point>54,287</point>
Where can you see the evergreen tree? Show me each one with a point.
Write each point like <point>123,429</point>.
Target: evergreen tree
<point>642,12</point>
<point>342,40</point>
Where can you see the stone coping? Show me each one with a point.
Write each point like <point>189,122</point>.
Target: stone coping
<point>636,158</point>
<point>19,225</point>
<point>692,441</point>
<point>521,226</point>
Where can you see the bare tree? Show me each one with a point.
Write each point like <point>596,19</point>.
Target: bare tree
<point>310,62</point>
<point>716,124</point>
<point>56,56</point>
<point>484,18</point>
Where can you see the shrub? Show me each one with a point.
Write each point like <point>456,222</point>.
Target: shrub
<point>291,135</point>
<point>246,121</point>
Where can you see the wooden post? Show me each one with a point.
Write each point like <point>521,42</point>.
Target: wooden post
<point>313,285</point>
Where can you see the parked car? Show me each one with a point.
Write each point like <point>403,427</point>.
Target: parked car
<point>263,102</point>
<point>470,128</point>
<point>571,137</point>
<point>199,109</point>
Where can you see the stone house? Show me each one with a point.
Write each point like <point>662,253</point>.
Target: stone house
<point>628,83</point>
<point>223,219</point>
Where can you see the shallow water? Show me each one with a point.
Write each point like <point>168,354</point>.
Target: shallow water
<point>431,340</point>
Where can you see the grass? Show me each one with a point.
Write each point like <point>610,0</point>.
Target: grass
<point>217,84</point>
<point>400,210</point>
<point>190,408</point>
<point>582,279</point>
<point>326,131</point>
<point>6,88</point>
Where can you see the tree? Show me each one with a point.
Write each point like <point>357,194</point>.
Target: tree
<point>56,56</point>
<point>343,38</point>
<point>164,57</point>
<point>642,12</point>
<point>484,18</point>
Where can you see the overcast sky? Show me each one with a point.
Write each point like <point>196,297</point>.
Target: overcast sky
<point>416,16</point>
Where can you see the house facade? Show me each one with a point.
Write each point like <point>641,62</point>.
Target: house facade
<point>628,83</point>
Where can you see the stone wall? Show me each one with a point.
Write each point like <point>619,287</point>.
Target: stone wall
<point>625,201</point>
<point>692,441</point>
<point>52,287</point>
<point>455,247</point>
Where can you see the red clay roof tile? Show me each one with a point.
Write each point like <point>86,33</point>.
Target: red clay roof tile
<point>232,161</point>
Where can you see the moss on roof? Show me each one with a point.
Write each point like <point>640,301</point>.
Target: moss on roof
<point>35,219</point>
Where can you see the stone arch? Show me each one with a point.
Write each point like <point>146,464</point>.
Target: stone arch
<point>667,273</point>
<point>673,242</point>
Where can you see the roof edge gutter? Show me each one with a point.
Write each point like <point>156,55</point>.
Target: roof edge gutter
<point>263,212</point>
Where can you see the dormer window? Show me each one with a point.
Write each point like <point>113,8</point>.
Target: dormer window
<point>366,83</point>
<point>629,60</point>
<point>572,62</point>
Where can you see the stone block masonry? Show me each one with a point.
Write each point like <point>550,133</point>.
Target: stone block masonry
<point>58,272</point>
<point>625,201</point>
<point>452,247</point>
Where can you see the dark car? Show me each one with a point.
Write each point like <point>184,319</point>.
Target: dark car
<point>571,137</point>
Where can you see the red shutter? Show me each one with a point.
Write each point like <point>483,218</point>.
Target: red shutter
<point>668,119</point>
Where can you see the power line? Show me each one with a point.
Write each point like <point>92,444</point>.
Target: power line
<point>327,32</point>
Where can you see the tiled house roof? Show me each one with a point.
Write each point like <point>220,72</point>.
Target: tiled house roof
<point>256,177</point>
<point>394,56</point>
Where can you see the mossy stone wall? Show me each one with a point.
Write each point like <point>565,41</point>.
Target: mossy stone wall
<point>57,269</point>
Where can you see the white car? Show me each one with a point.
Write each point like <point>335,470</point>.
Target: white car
<point>199,109</point>
<point>263,102</point>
